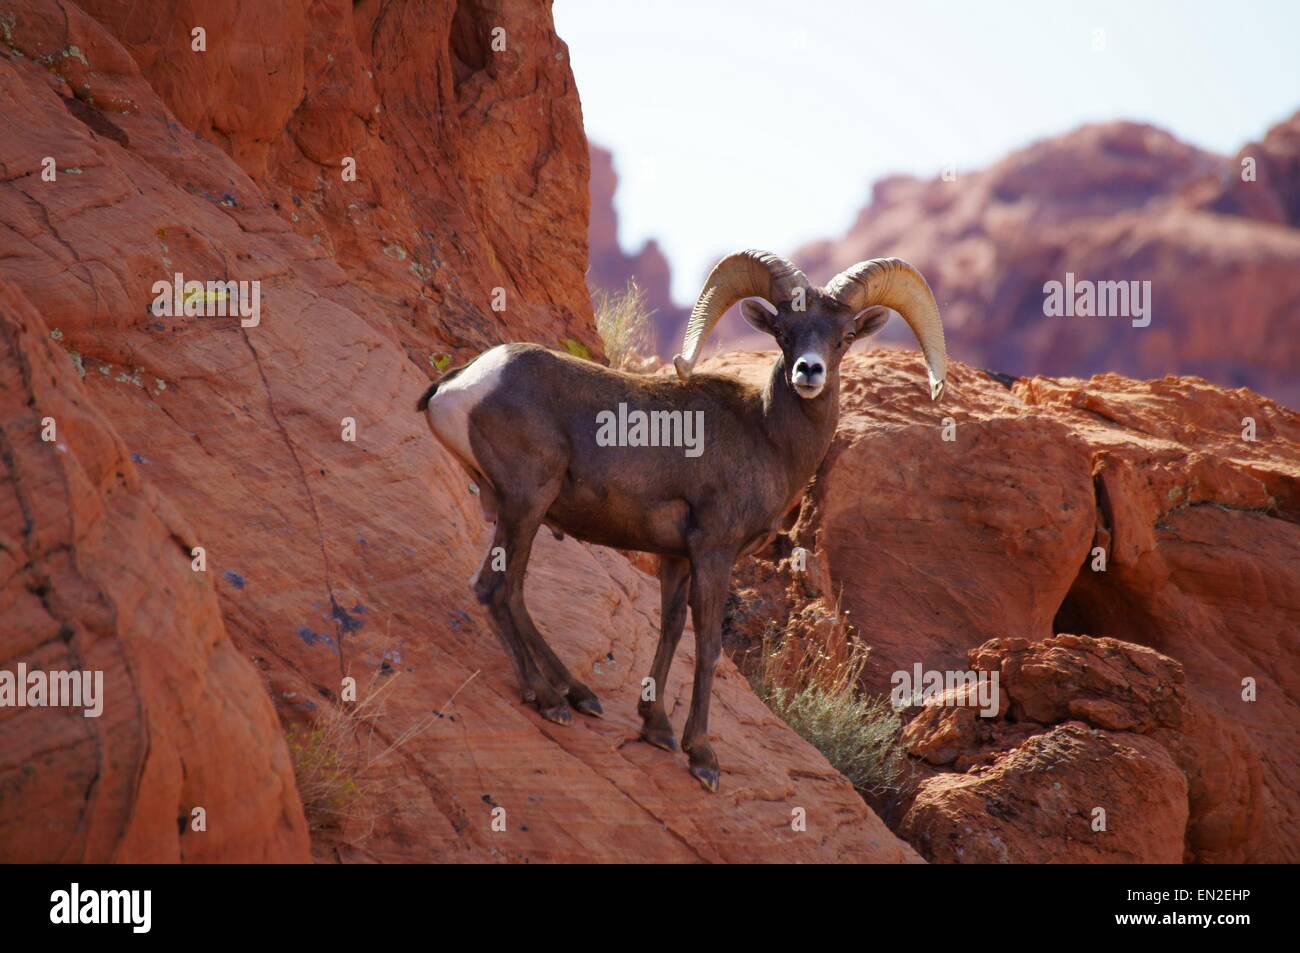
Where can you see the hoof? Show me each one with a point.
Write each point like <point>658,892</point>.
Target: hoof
<point>560,714</point>
<point>704,765</point>
<point>660,739</point>
<point>657,730</point>
<point>707,776</point>
<point>584,700</point>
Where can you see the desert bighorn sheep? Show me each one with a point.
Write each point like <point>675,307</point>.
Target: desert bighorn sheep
<point>524,422</point>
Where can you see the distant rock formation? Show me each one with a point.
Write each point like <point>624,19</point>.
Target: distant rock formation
<point>612,268</point>
<point>1112,202</point>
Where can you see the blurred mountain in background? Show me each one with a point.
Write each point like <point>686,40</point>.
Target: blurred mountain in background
<point>1218,238</point>
<point>612,268</point>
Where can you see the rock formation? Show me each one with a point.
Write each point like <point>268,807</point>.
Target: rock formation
<point>217,141</point>
<point>326,557</point>
<point>1112,202</point>
<point>612,267</point>
<point>95,575</point>
<point>1156,522</point>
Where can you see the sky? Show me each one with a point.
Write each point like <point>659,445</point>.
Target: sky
<point>763,123</point>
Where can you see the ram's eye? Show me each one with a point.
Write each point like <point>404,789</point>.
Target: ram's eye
<point>848,339</point>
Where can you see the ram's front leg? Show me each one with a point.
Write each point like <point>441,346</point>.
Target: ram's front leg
<point>710,576</point>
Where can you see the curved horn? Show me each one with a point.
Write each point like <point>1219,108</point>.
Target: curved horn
<point>743,274</point>
<point>895,284</point>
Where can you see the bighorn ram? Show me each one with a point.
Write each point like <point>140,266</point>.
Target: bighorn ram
<point>525,422</point>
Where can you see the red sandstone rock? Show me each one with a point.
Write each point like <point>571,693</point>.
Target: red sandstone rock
<point>1106,684</point>
<point>334,558</point>
<point>95,575</point>
<point>1036,804</point>
<point>936,547</point>
<point>1263,182</point>
<point>470,164</point>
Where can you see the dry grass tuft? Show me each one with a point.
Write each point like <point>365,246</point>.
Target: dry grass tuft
<point>812,685</point>
<point>336,756</point>
<point>624,326</point>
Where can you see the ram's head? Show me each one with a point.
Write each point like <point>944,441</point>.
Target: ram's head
<point>815,326</point>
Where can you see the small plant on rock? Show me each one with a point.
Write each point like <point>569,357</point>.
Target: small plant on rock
<point>812,685</point>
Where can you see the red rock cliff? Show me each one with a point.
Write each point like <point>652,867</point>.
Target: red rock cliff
<point>325,557</point>
<point>1157,682</point>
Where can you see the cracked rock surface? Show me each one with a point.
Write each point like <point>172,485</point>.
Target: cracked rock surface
<point>326,558</point>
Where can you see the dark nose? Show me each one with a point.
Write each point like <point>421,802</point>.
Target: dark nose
<point>803,367</point>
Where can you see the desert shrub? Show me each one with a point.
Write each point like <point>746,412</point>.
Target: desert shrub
<point>624,325</point>
<point>323,769</point>
<point>812,685</point>
<point>338,757</point>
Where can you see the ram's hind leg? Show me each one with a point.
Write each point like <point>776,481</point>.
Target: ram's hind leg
<point>579,695</point>
<point>674,584</point>
<point>499,586</point>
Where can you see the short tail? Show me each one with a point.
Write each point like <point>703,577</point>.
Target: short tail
<point>423,405</point>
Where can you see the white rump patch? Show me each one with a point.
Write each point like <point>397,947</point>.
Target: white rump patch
<point>450,407</point>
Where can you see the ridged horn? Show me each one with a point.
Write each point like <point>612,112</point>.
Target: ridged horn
<point>743,274</point>
<point>895,284</point>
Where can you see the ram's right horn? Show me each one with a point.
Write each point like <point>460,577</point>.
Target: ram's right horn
<point>743,274</point>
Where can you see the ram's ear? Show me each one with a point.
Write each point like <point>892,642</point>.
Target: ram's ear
<point>869,321</point>
<point>759,314</point>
